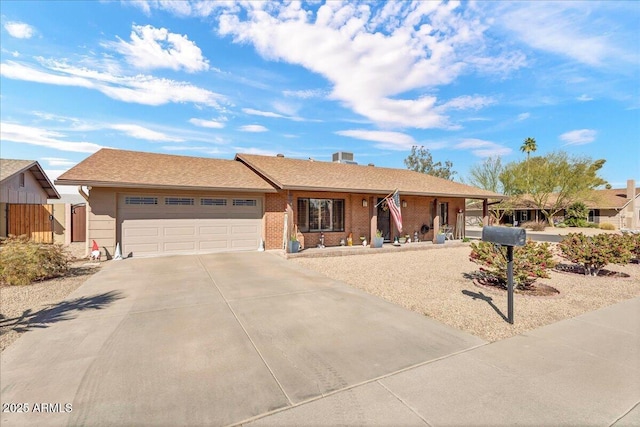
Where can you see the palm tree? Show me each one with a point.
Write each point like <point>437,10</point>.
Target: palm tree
<point>528,146</point>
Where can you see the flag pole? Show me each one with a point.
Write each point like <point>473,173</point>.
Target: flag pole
<point>385,197</point>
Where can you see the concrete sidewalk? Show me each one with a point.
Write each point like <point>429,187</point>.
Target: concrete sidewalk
<point>583,371</point>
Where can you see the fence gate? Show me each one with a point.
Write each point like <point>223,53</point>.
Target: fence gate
<point>79,223</point>
<point>36,221</point>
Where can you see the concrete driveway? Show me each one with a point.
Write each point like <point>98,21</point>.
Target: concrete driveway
<point>216,340</point>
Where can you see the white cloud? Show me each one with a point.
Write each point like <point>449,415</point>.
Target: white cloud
<point>392,140</point>
<point>253,150</point>
<point>152,48</point>
<point>200,149</point>
<point>19,30</point>
<point>213,124</point>
<point>254,112</point>
<point>393,53</point>
<point>141,132</point>
<point>253,128</point>
<point>305,94</point>
<point>579,137</point>
<point>482,148</point>
<point>523,116</point>
<point>468,103</point>
<point>139,89</point>
<point>584,98</point>
<point>569,29</point>
<point>270,114</point>
<point>44,138</point>
<point>57,161</point>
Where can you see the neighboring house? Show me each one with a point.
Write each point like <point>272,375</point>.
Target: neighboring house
<point>22,182</point>
<point>164,204</point>
<point>617,206</point>
<point>620,206</point>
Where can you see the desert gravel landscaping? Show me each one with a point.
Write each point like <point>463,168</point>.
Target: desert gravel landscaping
<point>436,282</point>
<point>27,307</point>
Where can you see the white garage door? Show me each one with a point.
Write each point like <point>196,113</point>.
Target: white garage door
<point>161,225</point>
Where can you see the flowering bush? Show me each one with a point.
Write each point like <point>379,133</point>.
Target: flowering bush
<point>633,240</point>
<point>594,252</point>
<point>529,262</point>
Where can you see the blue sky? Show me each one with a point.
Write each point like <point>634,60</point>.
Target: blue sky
<point>466,80</point>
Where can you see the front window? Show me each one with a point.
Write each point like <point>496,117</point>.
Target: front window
<point>321,214</point>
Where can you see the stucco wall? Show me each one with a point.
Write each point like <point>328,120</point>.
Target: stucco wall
<point>60,228</point>
<point>101,214</point>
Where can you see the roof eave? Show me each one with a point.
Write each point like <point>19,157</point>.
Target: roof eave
<point>388,190</point>
<point>41,177</point>
<point>258,171</point>
<point>111,184</point>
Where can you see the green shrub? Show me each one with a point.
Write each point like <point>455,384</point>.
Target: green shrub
<point>633,241</point>
<point>562,225</point>
<point>466,239</point>
<point>23,261</point>
<point>595,252</point>
<point>607,226</point>
<point>577,215</point>
<point>529,262</point>
<point>534,225</point>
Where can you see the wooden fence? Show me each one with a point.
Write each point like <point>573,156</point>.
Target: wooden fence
<point>36,221</point>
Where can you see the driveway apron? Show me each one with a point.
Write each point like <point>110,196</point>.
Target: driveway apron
<point>212,340</point>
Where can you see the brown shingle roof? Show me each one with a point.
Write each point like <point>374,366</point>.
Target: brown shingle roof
<point>10,167</point>
<point>298,174</point>
<point>614,198</point>
<point>121,168</point>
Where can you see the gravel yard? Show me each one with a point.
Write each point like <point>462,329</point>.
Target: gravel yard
<point>433,282</point>
<point>26,307</point>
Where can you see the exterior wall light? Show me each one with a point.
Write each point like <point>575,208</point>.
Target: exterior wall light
<point>404,203</point>
<point>365,203</point>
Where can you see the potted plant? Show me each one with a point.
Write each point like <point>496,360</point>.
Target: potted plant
<point>440,237</point>
<point>378,240</point>
<point>294,244</point>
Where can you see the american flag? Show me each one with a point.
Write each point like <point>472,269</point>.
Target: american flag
<point>393,202</point>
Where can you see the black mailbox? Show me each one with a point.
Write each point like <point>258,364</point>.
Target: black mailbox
<point>505,236</point>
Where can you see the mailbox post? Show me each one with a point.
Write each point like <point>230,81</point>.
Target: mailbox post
<point>509,237</point>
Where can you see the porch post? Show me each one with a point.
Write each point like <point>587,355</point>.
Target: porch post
<point>289,213</point>
<point>373,214</point>
<point>436,220</point>
<point>485,212</point>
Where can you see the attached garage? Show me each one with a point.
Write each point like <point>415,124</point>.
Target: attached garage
<point>162,225</point>
<point>158,204</point>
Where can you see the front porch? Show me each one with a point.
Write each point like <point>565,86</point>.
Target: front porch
<point>333,251</point>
